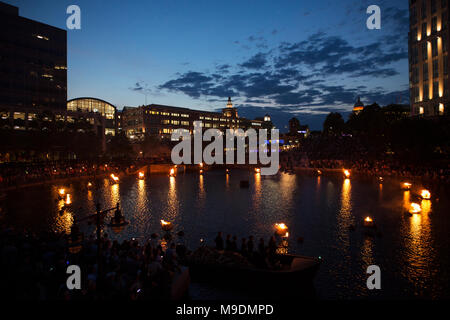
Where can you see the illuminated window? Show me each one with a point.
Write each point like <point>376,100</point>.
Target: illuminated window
<point>421,110</point>
<point>184,123</point>
<point>175,122</point>
<point>441,108</point>
<point>19,115</point>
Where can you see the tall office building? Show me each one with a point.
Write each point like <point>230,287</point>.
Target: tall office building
<point>428,57</point>
<point>33,63</point>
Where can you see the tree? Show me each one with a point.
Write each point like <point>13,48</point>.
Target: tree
<point>294,126</point>
<point>334,124</point>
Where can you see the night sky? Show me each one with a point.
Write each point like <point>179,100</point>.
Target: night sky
<point>286,58</point>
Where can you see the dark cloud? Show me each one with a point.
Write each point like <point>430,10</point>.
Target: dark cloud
<point>258,61</point>
<point>308,78</point>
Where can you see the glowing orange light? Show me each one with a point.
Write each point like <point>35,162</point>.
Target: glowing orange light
<point>114,177</point>
<point>281,229</point>
<point>201,164</point>
<point>368,222</point>
<point>425,194</point>
<point>319,172</point>
<point>415,208</point>
<point>346,173</point>
<point>406,185</point>
<point>68,199</point>
<point>62,191</point>
<point>166,225</point>
<point>172,171</point>
<point>141,175</point>
<point>257,170</point>
<point>89,184</point>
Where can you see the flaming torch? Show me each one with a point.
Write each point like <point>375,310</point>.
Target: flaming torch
<point>281,229</point>
<point>166,225</point>
<point>141,175</point>
<point>346,174</point>
<point>368,222</point>
<point>425,194</point>
<point>406,185</point>
<point>114,178</point>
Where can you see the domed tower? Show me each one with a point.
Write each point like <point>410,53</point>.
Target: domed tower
<point>358,107</point>
<point>230,111</point>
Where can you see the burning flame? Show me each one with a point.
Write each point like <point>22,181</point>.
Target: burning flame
<point>172,171</point>
<point>415,208</point>
<point>62,191</point>
<point>114,177</point>
<point>257,170</point>
<point>89,184</point>
<point>281,226</point>
<point>319,172</point>
<point>201,164</point>
<point>201,171</point>
<point>368,219</point>
<point>141,175</point>
<point>406,185</point>
<point>425,194</point>
<point>164,223</point>
<point>346,173</point>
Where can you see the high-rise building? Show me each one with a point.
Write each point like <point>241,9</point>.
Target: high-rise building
<point>428,57</point>
<point>33,63</point>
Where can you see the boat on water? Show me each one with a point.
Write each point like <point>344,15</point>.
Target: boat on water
<point>233,269</point>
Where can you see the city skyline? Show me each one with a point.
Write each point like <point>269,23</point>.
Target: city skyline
<point>283,59</point>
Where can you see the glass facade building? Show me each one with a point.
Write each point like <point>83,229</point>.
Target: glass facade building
<point>94,105</point>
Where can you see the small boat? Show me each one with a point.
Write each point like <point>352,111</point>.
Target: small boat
<point>294,270</point>
<point>117,226</point>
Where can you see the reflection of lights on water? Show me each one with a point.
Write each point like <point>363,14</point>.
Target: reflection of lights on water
<point>68,199</point>
<point>415,208</point>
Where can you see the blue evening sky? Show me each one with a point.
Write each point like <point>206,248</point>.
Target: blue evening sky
<point>286,58</point>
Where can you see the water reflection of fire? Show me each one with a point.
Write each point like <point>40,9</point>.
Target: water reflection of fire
<point>415,208</point>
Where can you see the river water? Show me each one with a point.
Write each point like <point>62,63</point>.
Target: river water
<point>411,251</point>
